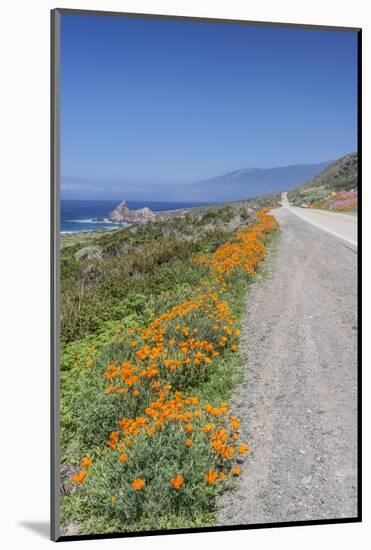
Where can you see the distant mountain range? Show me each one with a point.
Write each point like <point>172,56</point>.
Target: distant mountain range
<point>250,182</point>
<point>239,184</point>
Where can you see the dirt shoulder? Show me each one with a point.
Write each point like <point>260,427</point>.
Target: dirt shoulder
<point>298,401</point>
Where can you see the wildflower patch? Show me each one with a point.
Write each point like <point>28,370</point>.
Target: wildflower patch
<point>168,452</point>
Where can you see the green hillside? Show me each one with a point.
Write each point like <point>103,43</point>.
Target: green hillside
<point>339,176</point>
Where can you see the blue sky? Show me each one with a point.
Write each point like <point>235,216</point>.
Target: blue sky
<point>153,102</point>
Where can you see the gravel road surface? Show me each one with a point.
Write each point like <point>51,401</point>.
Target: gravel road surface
<point>298,401</point>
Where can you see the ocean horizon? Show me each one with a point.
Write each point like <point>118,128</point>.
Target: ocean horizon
<point>79,216</point>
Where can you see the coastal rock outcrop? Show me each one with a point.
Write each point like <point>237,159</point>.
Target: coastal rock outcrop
<point>122,214</point>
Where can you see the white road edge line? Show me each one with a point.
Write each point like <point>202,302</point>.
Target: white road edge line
<point>354,243</point>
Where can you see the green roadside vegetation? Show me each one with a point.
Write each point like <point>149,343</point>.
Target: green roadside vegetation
<point>113,286</point>
<point>339,177</point>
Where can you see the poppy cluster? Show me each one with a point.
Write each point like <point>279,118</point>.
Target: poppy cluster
<point>247,250</point>
<point>173,353</point>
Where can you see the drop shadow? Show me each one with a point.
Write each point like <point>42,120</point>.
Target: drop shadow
<point>41,528</point>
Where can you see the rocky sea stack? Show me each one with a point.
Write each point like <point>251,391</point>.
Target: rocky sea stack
<point>122,213</point>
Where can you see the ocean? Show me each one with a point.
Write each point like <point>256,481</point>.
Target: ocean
<point>78,216</point>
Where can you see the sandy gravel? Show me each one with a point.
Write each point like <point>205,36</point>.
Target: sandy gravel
<point>298,401</point>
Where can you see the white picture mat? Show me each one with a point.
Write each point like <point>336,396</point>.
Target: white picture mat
<point>25,266</point>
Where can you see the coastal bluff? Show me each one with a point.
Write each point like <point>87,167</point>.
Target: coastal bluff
<point>122,213</point>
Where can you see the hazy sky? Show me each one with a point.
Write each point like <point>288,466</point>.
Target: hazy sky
<point>152,101</point>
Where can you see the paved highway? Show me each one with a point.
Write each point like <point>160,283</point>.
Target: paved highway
<point>342,226</point>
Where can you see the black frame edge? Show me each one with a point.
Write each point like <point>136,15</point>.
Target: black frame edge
<point>359,270</point>
<point>67,538</point>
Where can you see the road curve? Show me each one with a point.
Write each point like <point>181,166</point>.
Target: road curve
<point>298,401</point>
